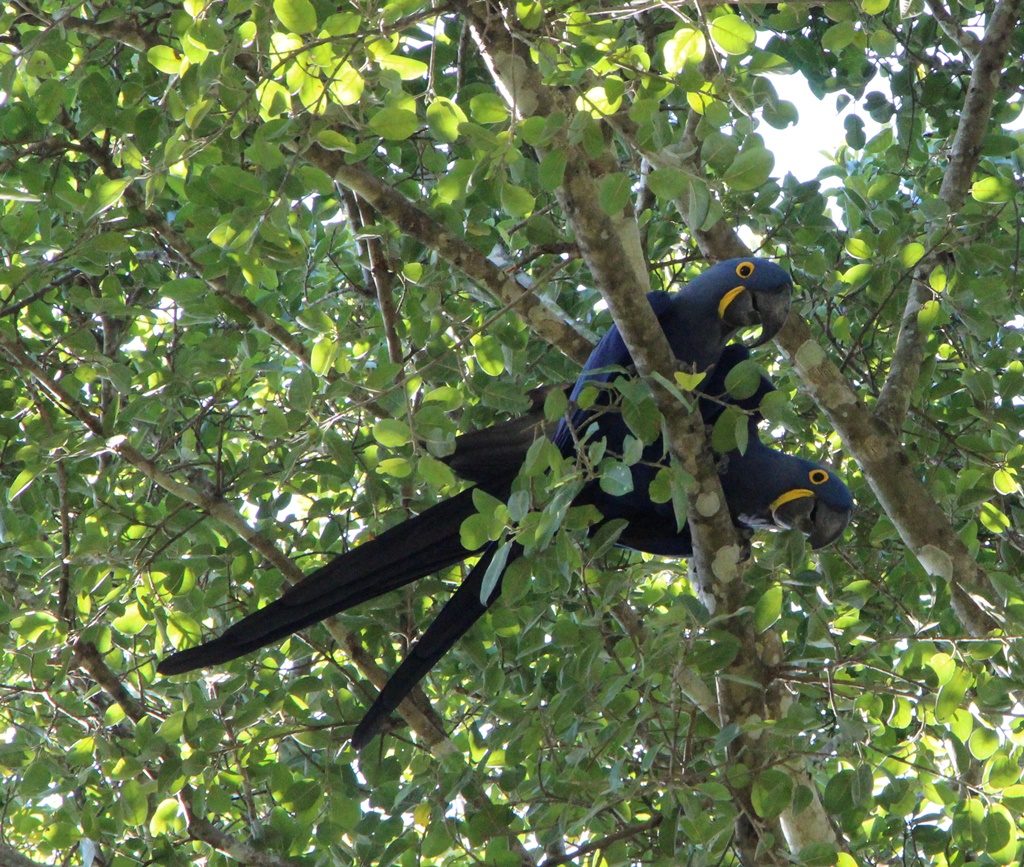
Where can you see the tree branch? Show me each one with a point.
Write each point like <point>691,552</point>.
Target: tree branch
<point>11,857</point>
<point>549,323</point>
<point>968,42</point>
<point>604,842</point>
<point>604,243</point>
<point>918,518</point>
<point>965,152</point>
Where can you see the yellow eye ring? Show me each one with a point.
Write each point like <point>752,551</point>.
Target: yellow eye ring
<point>744,270</point>
<point>817,477</point>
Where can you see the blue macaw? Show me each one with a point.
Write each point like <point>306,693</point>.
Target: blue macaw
<point>697,320</point>
<point>763,487</point>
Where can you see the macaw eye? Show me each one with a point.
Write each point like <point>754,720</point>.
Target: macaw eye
<point>744,270</point>
<point>817,477</point>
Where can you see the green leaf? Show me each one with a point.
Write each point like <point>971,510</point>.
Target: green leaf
<point>392,432</point>
<point>951,695</point>
<point>394,124</point>
<point>685,46</point>
<point>994,519</point>
<point>408,68</point>
<point>743,380</point>
<point>689,381</point>
<point>106,195</point>
<point>530,13</point>
<point>750,169</point>
<point>668,184</point>
<point>699,204</point>
<point>298,16</point>
<point>616,479</point>
<point>911,254</point>
<point>494,571</point>
<point>771,793</point>
<point>768,609</point>
<point>166,59</point>
<point>346,85</point>
<point>929,316</point>
<point>273,97</point>
<point>330,140</point>
<point>858,248</point>
<point>488,108</point>
<point>516,201</point>
<point>992,190</point>
<point>398,468</point>
<point>444,117</point>
<point>166,818</point>
<point>133,803</point>
<point>838,36</point>
<point>1001,835</point>
<point>983,743</point>
<point>613,193</point>
<point>489,355</point>
<point>874,7</point>
<point>724,431</point>
<point>551,170</point>
<point>732,34</point>
<point>1004,481</point>
<point>132,622</point>
<point>21,483</point>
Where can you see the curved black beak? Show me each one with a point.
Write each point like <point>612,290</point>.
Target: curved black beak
<point>820,523</point>
<point>828,525</point>
<point>772,310</point>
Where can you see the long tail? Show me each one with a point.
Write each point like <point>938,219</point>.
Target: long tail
<point>460,612</point>
<point>417,547</point>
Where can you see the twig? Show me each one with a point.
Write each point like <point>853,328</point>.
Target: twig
<point>603,843</point>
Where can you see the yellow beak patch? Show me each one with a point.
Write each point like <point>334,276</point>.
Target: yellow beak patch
<point>789,496</point>
<point>727,299</point>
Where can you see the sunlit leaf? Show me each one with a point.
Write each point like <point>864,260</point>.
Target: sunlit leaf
<point>298,16</point>
<point>732,34</point>
<point>992,190</point>
<point>685,46</point>
<point>444,117</point>
<point>394,124</point>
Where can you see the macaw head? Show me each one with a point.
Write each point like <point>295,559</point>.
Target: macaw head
<point>768,488</point>
<point>820,507</point>
<point>750,291</point>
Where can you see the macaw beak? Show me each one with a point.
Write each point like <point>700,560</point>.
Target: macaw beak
<point>799,509</point>
<point>828,525</point>
<point>772,310</point>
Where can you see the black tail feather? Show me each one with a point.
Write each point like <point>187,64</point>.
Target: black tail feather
<point>458,615</point>
<point>422,545</point>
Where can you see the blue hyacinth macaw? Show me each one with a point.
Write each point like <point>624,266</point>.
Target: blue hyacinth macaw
<point>764,489</point>
<point>697,320</point>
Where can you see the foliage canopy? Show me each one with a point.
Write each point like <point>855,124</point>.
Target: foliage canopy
<point>246,305</point>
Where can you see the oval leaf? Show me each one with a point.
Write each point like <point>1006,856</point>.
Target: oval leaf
<point>750,169</point>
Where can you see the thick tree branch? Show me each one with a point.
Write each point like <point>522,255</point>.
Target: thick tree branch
<point>205,831</point>
<point>604,244</point>
<point>918,518</point>
<point>11,857</point>
<point>965,152</point>
<point>968,42</point>
<point>383,282</point>
<point>549,323</point>
<point>604,842</point>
